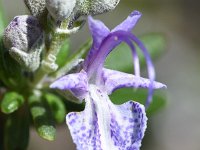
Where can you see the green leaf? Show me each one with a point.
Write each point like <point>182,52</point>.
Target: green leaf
<point>16,131</point>
<point>11,102</point>
<point>63,53</point>
<point>140,95</point>
<point>57,107</point>
<point>121,58</point>
<point>42,118</point>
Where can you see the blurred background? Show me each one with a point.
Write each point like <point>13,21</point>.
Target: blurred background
<point>177,125</point>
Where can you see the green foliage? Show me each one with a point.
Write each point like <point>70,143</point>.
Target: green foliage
<point>42,118</point>
<point>63,53</point>
<point>16,132</point>
<point>57,107</point>
<point>11,102</point>
<point>140,95</point>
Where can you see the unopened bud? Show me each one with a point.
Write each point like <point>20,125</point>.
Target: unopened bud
<point>60,9</point>
<point>22,33</point>
<point>71,10</point>
<point>37,8</point>
<point>94,7</point>
<point>24,39</point>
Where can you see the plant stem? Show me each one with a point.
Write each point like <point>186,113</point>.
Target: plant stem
<point>48,65</point>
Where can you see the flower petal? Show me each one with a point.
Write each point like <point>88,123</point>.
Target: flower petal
<point>98,31</point>
<point>129,23</point>
<point>76,83</point>
<point>105,126</point>
<point>114,80</point>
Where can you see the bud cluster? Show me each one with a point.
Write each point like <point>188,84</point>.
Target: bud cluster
<point>60,9</point>
<point>24,36</point>
<point>37,8</point>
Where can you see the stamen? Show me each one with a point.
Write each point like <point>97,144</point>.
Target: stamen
<point>150,67</point>
<point>108,44</point>
<point>136,60</point>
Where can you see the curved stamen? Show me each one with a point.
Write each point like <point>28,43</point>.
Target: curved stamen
<point>136,60</point>
<point>150,67</point>
<point>107,45</point>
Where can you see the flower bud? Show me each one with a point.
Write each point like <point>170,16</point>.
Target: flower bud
<point>24,39</point>
<point>60,9</point>
<point>37,8</point>
<point>94,7</point>
<point>22,33</point>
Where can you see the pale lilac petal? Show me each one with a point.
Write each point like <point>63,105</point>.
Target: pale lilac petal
<point>98,32</point>
<point>105,126</point>
<point>97,60</point>
<point>129,23</point>
<point>114,80</point>
<point>76,83</point>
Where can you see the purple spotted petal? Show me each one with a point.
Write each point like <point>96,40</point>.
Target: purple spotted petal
<point>76,83</point>
<point>129,23</point>
<point>114,80</point>
<point>105,126</point>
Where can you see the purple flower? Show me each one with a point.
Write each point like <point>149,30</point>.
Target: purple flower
<point>103,125</point>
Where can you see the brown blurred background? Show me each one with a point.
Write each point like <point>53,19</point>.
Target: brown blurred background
<point>177,126</point>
